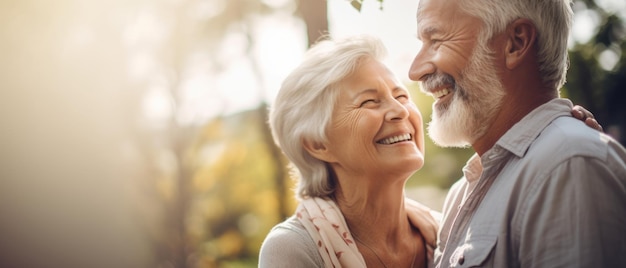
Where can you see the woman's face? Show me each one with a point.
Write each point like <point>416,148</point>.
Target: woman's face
<point>375,127</point>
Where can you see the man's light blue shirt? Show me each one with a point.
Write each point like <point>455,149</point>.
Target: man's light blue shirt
<point>550,193</point>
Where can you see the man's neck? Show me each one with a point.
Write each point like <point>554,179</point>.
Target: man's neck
<point>512,110</point>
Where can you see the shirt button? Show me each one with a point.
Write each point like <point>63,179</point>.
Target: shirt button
<point>461,260</point>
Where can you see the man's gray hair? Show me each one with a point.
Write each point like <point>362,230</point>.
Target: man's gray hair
<point>552,18</point>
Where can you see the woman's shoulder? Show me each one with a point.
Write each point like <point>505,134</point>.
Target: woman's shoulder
<point>289,230</point>
<point>289,243</point>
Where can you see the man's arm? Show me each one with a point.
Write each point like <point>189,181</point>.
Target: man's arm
<point>577,217</point>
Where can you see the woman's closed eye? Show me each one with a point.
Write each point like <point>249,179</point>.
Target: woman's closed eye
<point>402,97</point>
<point>368,101</point>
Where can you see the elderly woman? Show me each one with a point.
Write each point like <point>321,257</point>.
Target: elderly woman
<point>354,137</point>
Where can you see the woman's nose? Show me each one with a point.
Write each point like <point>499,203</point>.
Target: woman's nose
<point>396,110</point>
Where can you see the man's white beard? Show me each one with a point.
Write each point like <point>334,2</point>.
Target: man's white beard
<point>476,100</point>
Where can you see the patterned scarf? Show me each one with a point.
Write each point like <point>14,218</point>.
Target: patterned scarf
<point>326,225</point>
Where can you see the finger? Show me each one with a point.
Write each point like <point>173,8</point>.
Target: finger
<point>593,124</point>
<point>427,230</point>
<point>430,252</point>
<point>433,215</point>
<point>578,114</point>
<point>586,113</point>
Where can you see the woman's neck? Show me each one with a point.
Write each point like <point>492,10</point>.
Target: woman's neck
<point>376,215</point>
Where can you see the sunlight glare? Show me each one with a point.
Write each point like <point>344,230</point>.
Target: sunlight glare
<point>146,29</point>
<point>613,6</point>
<point>157,105</point>
<point>585,22</point>
<point>142,37</point>
<point>279,48</point>
<point>204,10</point>
<point>200,99</point>
<point>276,4</point>
<point>395,24</point>
<point>609,58</point>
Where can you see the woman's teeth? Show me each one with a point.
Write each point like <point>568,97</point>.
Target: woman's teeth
<point>399,138</point>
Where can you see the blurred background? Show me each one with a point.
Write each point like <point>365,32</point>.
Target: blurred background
<point>133,132</point>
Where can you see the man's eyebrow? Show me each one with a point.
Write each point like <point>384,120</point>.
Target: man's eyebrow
<point>427,32</point>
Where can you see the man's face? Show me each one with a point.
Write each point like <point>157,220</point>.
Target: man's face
<point>457,70</point>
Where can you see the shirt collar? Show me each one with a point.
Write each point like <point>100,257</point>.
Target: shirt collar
<point>518,139</point>
<point>473,168</point>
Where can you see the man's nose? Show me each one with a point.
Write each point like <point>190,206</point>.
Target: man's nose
<point>421,66</point>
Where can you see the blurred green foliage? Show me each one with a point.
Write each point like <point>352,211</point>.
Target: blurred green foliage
<point>597,74</point>
<point>235,201</point>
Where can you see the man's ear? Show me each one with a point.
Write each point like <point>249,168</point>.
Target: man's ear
<point>318,150</point>
<point>521,38</point>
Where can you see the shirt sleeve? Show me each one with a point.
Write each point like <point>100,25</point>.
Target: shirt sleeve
<point>285,247</point>
<point>577,216</point>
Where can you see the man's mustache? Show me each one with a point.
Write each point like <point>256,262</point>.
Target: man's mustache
<point>437,80</point>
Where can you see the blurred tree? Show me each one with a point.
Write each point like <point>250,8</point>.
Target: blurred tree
<point>314,13</point>
<point>597,74</point>
<point>235,202</point>
<point>223,238</point>
<point>171,37</point>
<point>209,204</point>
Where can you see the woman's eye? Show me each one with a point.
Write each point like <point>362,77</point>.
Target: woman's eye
<point>402,97</point>
<point>368,101</point>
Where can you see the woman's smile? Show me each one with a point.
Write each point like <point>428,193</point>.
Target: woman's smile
<point>396,139</point>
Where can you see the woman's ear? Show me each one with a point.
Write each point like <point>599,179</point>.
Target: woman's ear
<point>522,36</point>
<point>318,150</point>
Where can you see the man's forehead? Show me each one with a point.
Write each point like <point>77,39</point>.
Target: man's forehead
<point>436,6</point>
<point>425,27</point>
<point>426,8</point>
<point>431,15</point>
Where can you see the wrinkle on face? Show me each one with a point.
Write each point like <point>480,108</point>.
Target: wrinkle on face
<point>451,38</point>
<point>347,117</point>
<point>355,126</point>
<point>454,37</point>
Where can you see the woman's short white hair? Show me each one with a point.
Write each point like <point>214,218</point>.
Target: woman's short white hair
<point>552,18</point>
<point>304,106</point>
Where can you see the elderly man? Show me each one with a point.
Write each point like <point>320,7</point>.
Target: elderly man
<point>542,190</point>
